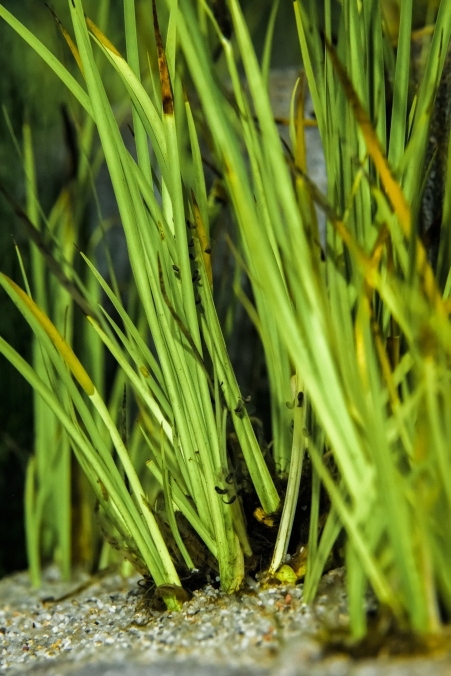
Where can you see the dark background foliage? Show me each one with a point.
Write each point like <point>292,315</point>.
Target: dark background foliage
<point>28,90</point>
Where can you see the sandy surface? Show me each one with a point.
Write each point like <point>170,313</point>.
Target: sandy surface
<point>99,627</point>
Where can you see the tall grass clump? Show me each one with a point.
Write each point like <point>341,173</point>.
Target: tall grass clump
<point>354,325</point>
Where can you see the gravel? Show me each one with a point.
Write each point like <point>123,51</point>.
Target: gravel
<point>102,620</point>
<point>97,627</point>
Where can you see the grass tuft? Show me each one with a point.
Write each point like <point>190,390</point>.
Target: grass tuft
<point>353,322</point>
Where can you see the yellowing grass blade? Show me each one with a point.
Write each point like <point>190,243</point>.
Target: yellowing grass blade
<point>203,239</point>
<point>146,110</point>
<point>19,296</point>
<point>165,80</point>
<point>374,147</point>
<point>391,185</point>
<point>101,37</point>
<point>72,46</point>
